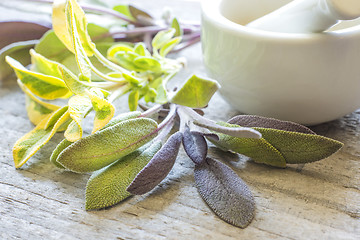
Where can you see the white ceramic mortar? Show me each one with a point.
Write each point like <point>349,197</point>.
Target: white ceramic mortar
<point>305,78</point>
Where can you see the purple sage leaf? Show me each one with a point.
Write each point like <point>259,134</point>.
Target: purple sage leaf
<point>158,167</point>
<point>16,31</point>
<point>225,192</point>
<point>195,146</point>
<point>264,122</point>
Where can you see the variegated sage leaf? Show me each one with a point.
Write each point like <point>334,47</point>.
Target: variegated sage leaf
<point>265,122</point>
<point>195,146</point>
<point>65,143</point>
<point>31,142</point>
<point>36,109</point>
<point>44,86</point>
<point>225,192</point>
<point>158,167</point>
<point>107,186</point>
<point>43,65</point>
<point>61,24</point>
<point>259,150</point>
<point>104,147</point>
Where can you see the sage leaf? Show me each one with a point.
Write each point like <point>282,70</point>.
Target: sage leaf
<point>133,100</point>
<point>79,106</point>
<point>17,31</point>
<point>195,146</point>
<point>158,167</point>
<point>259,150</point>
<point>265,122</point>
<point>59,148</point>
<point>65,143</point>
<point>107,186</point>
<point>104,110</point>
<point>19,51</point>
<point>63,10</point>
<point>36,109</point>
<point>47,87</point>
<point>162,37</point>
<point>167,47</point>
<point>196,92</point>
<point>124,9</point>
<point>30,143</point>
<point>43,65</point>
<point>225,193</point>
<point>176,25</point>
<point>147,63</point>
<point>72,82</point>
<point>300,147</point>
<point>141,16</point>
<point>104,147</point>
<point>122,117</point>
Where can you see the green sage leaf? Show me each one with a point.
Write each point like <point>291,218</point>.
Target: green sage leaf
<point>259,150</point>
<point>162,37</point>
<point>300,147</point>
<point>59,148</point>
<point>225,193</point>
<point>107,186</point>
<point>41,85</point>
<point>196,92</point>
<point>104,147</point>
<point>124,9</point>
<point>65,143</point>
<point>178,30</point>
<point>133,100</point>
<point>167,47</point>
<point>265,122</point>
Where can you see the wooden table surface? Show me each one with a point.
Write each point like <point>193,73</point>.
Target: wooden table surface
<point>319,201</point>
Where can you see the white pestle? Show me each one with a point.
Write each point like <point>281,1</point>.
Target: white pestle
<point>308,16</point>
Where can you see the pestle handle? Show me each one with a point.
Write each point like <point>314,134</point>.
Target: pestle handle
<point>308,16</point>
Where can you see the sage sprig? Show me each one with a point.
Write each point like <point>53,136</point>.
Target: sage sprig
<point>133,152</point>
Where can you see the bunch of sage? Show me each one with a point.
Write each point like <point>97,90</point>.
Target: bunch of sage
<point>130,154</point>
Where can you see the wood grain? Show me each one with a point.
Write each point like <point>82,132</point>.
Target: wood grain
<point>319,201</point>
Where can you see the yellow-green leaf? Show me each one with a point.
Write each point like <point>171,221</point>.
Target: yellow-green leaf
<point>164,50</point>
<point>36,109</point>
<point>133,100</point>
<point>62,28</point>
<point>299,147</point>
<point>31,142</point>
<point>162,37</point>
<point>196,92</point>
<point>258,150</point>
<point>47,87</point>
<point>107,186</point>
<point>106,146</point>
<point>79,106</point>
<point>65,143</point>
<point>43,65</point>
<point>72,82</point>
<point>104,110</point>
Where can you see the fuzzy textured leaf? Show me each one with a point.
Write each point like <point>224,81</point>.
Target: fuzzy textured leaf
<point>59,148</point>
<point>107,186</point>
<point>195,146</point>
<point>225,193</point>
<point>265,122</point>
<point>196,92</point>
<point>104,147</point>
<point>158,167</point>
